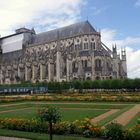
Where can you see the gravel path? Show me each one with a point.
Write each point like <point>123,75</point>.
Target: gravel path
<point>128,115</point>
<point>104,115</point>
<point>11,138</point>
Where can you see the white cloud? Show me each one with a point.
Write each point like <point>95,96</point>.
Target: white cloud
<point>133,62</point>
<point>137,3</point>
<point>41,14</point>
<point>109,36</point>
<point>133,56</point>
<point>97,11</point>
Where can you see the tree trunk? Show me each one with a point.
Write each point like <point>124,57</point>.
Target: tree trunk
<point>51,131</point>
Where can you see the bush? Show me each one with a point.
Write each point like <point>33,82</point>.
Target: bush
<point>33,125</point>
<point>117,84</point>
<point>134,132</point>
<point>87,133</point>
<point>95,84</point>
<point>114,131</point>
<point>84,127</point>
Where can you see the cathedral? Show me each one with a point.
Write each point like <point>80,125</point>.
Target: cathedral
<point>64,54</point>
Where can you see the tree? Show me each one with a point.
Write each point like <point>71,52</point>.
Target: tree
<point>126,83</point>
<point>116,84</point>
<point>87,84</point>
<point>50,115</point>
<point>96,84</point>
<point>78,85</point>
<point>137,83</point>
<point>65,85</point>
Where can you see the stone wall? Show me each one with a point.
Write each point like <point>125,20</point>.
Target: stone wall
<point>80,57</point>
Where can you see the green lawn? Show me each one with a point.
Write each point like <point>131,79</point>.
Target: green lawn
<point>93,106</point>
<point>19,113</point>
<point>77,114</point>
<point>67,113</point>
<point>12,107</point>
<point>38,136</point>
<point>62,105</point>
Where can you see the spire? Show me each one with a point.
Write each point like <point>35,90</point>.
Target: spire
<point>123,54</point>
<point>33,30</point>
<point>114,49</point>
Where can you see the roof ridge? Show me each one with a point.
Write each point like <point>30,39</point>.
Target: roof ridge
<point>59,28</point>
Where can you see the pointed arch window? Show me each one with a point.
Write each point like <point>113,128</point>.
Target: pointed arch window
<point>85,46</point>
<point>85,63</point>
<point>98,63</point>
<point>92,45</point>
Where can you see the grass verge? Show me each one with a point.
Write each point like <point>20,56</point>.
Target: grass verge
<point>12,107</point>
<point>133,121</point>
<point>38,136</point>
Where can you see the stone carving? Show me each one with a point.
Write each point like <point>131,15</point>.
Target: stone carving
<point>62,57</point>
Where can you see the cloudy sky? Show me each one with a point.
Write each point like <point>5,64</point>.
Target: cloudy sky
<point>118,21</point>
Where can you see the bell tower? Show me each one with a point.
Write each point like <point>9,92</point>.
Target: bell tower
<point>123,53</point>
<point>124,65</point>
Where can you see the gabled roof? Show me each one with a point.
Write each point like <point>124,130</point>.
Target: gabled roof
<point>64,32</point>
<point>9,36</point>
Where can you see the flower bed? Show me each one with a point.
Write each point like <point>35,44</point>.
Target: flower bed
<point>100,97</point>
<point>84,128</point>
<point>32,125</point>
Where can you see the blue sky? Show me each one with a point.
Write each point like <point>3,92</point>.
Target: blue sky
<point>122,15</point>
<point>117,20</point>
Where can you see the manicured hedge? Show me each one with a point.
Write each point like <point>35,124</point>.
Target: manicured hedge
<point>125,84</point>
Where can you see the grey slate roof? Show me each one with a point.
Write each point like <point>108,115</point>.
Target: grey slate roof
<point>65,32</point>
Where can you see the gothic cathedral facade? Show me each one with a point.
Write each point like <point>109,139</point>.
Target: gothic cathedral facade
<point>64,54</point>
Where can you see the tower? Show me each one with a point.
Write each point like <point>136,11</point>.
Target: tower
<point>123,53</point>
<point>115,61</point>
<point>124,66</point>
<point>114,48</point>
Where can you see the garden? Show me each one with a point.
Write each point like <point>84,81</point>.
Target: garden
<point>79,119</point>
<point>96,110</point>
